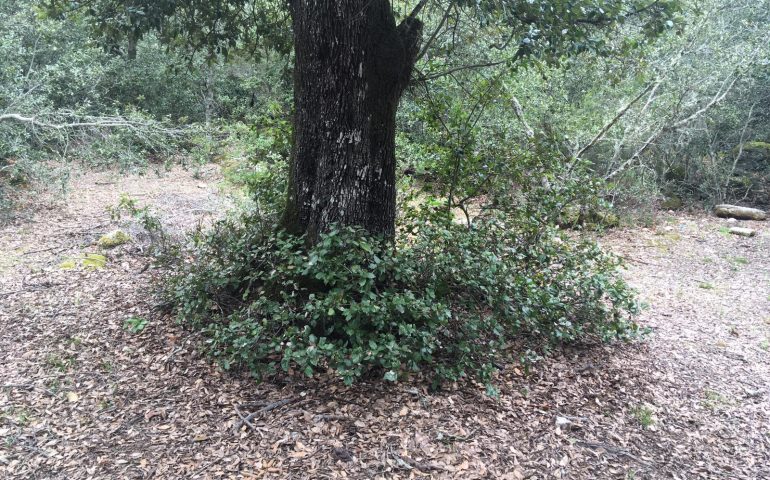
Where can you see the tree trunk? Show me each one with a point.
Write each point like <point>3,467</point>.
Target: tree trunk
<point>133,39</point>
<point>352,64</point>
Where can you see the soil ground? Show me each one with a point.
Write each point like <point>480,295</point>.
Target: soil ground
<point>83,397</point>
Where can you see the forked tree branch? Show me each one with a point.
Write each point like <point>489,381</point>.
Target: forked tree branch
<point>716,99</point>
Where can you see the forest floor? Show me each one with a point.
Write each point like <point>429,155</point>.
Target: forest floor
<point>83,397</point>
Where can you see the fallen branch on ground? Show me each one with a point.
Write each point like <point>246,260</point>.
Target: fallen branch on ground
<point>69,120</point>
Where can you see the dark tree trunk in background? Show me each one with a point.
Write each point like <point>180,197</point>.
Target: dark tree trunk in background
<point>133,39</point>
<point>352,63</point>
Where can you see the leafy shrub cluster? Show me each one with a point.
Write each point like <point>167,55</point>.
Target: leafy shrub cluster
<point>442,299</point>
<point>254,156</point>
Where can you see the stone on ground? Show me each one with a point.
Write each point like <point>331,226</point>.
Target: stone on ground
<point>743,232</point>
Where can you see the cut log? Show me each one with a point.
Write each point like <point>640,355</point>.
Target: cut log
<point>741,213</point>
<point>743,232</point>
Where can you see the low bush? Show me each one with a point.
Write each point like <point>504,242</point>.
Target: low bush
<point>442,299</point>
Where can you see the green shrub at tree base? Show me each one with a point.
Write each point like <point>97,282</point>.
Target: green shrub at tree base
<point>442,299</point>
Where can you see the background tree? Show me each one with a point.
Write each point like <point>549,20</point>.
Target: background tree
<point>352,61</point>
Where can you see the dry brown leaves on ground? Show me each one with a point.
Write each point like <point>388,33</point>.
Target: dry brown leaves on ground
<point>83,397</point>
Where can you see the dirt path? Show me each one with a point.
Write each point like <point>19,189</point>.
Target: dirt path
<point>82,397</point>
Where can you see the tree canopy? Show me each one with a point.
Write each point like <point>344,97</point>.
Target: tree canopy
<point>545,29</point>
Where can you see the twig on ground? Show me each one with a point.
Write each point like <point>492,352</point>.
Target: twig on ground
<point>34,449</point>
<point>21,386</point>
<point>170,357</point>
<point>245,420</point>
<point>31,287</point>
<point>451,438</point>
<point>202,469</point>
<point>635,260</point>
<point>267,408</point>
<point>614,450</point>
<point>42,250</point>
<point>332,417</point>
<point>407,463</point>
<point>278,404</point>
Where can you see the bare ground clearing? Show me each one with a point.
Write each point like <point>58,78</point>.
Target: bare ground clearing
<point>81,397</point>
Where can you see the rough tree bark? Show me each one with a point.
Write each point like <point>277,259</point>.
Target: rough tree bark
<point>352,64</point>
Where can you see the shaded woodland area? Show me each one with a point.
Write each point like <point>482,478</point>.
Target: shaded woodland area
<point>384,239</point>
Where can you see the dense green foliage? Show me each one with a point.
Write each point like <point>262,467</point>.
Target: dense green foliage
<point>445,297</point>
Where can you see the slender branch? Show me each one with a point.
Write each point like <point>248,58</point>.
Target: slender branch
<point>17,100</point>
<point>434,34</point>
<point>61,126</point>
<point>461,67</point>
<point>740,148</point>
<point>614,120</point>
<point>718,97</point>
<point>505,44</point>
<point>636,154</point>
<point>651,97</point>
<point>417,8</point>
<point>32,60</point>
<point>528,131</point>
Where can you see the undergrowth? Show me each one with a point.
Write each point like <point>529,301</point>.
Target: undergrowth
<point>443,299</point>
